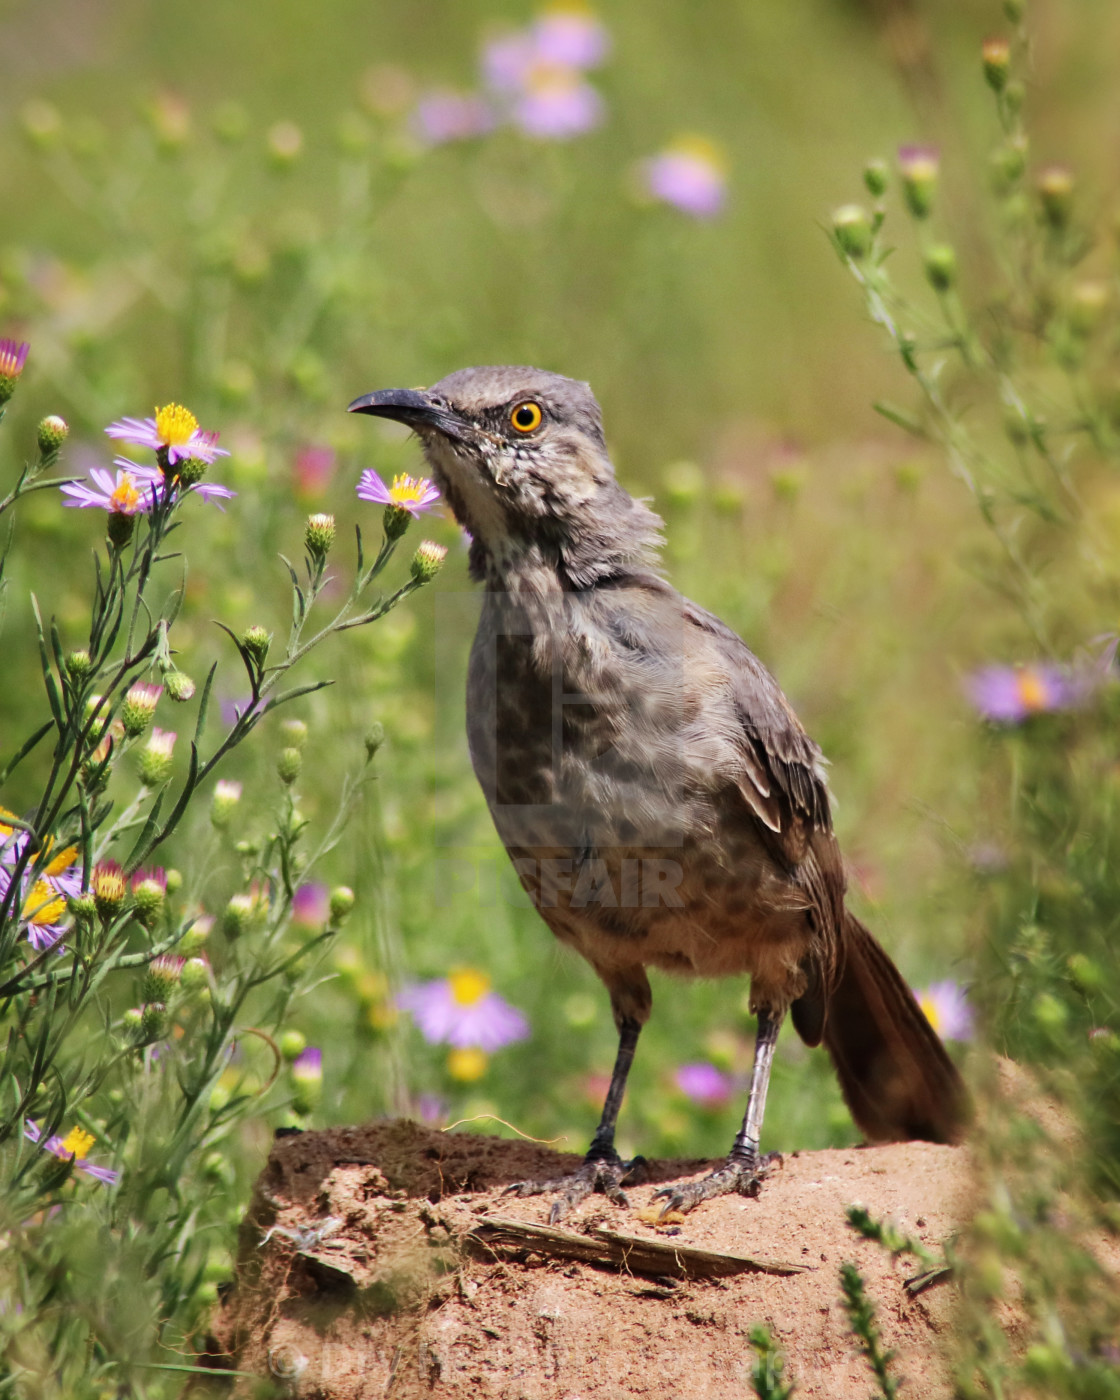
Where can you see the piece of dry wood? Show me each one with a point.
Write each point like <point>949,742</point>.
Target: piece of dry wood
<point>660,1258</point>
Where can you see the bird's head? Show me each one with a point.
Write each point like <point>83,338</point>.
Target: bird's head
<point>519,455</point>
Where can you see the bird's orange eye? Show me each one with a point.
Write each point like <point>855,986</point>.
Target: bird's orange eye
<point>526,416</point>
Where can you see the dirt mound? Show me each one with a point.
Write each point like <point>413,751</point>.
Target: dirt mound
<point>385,1260</point>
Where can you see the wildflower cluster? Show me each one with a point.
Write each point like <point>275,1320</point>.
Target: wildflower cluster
<point>138,1009</point>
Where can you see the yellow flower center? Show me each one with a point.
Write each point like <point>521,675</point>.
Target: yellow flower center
<point>125,498</point>
<point>6,829</point>
<point>1032,690</point>
<point>407,489</point>
<point>467,1065</point>
<point>108,884</point>
<point>468,986</point>
<point>78,1142</point>
<point>63,861</point>
<point>175,425</point>
<point>44,905</point>
<point>931,1013</point>
<point>701,150</point>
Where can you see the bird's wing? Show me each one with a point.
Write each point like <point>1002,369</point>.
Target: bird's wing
<point>782,779</point>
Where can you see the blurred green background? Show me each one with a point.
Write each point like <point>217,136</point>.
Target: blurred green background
<point>164,239</point>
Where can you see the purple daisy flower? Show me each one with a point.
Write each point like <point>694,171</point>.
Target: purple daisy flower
<point>688,175</point>
<point>412,493</point>
<point>461,1010</point>
<point>13,357</point>
<point>71,1148</point>
<point>1011,694</point>
<point>133,492</point>
<point>174,430</point>
<point>557,104</point>
<point>703,1084</point>
<point>210,491</point>
<point>571,36</point>
<point>947,1010</point>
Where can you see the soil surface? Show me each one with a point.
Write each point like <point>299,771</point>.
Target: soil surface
<point>386,1261</point>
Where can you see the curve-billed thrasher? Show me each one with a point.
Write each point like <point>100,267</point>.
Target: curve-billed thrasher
<point>659,799</point>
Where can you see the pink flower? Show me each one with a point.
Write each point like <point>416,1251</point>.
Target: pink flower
<point>689,174</point>
<point>461,1010</point>
<point>703,1084</point>
<point>1010,694</point>
<point>311,905</point>
<point>570,35</point>
<point>947,1010</point>
<point>443,115</point>
<point>557,104</point>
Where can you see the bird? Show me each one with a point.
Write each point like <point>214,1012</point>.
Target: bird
<point>661,802</point>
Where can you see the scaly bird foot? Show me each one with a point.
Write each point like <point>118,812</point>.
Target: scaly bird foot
<point>742,1176</point>
<point>604,1174</point>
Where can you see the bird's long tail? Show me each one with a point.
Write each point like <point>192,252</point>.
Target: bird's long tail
<point>895,1074</point>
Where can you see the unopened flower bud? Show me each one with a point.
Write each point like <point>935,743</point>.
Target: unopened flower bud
<point>995,54</point>
<point>341,903</point>
<point>224,803</point>
<point>179,686</point>
<point>132,1019</point>
<point>149,894</point>
<point>941,267</point>
<point>83,907</point>
<point>919,167</point>
<point>108,889</point>
<point>162,976</point>
<point>288,765</point>
<point>374,737</point>
<point>852,229</point>
<point>285,143</point>
<point>428,560</point>
<point>153,1021</point>
<point>174,880</point>
<point>1009,163</point>
<point>1088,301</point>
<point>197,935</point>
<point>239,915</point>
<point>256,642</point>
<point>138,707</point>
<point>395,522</point>
<point>876,178</point>
<point>195,974</point>
<point>119,528</point>
<point>52,433</point>
<point>292,1045</point>
<point>319,535</point>
<point>156,757</point>
<point>190,471</point>
<point>79,666</point>
<point>307,1079</point>
<point>1055,193</point>
<point>294,733</point>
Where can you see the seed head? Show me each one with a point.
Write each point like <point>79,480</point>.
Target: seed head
<point>139,706</point>
<point>224,803</point>
<point>852,228</point>
<point>294,733</point>
<point>179,686</point>
<point>256,641</point>
<point>428,560</point>
<point>288,765</point>
<point>156,756</point>
<point>162,977</point>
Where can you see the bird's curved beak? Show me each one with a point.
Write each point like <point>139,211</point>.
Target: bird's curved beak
<point>416,408</point>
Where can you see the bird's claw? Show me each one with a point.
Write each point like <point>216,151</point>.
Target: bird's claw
<point>744,1177</point>
<point>605,1174</point>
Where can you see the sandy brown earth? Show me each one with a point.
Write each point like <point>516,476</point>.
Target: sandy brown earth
<point>371,1265</point>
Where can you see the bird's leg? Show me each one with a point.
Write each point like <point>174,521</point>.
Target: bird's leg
<point>603,1169</point>
<point>744,1168</point>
